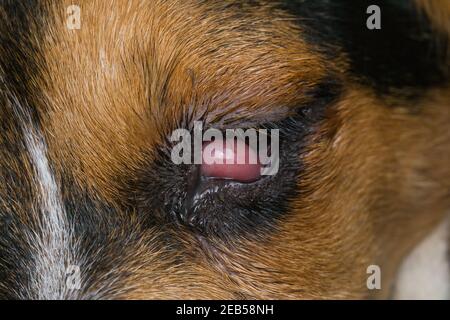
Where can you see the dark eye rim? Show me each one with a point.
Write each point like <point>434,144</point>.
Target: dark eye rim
<point>271,194</point>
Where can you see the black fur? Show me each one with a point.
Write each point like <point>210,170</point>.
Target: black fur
<point>17,196</point>
<point>405,54</point>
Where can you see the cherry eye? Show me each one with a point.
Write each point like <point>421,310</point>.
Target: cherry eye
<point>232,160</point>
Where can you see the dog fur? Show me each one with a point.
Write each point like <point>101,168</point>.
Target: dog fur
<point>85,115</point>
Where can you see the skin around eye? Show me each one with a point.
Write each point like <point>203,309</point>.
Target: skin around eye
<point>230,160</point>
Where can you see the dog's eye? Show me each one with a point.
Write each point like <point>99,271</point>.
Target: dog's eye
<point>232,159</point>
<point>229,193</point>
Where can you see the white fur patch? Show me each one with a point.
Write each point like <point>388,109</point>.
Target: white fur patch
<point>425,273</point>
<point>52,242</point>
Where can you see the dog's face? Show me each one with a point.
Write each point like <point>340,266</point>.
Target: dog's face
<point>86,117</point>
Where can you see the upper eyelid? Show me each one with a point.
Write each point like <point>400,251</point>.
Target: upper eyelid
<point>310,111</point>
<point>249,124</point>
